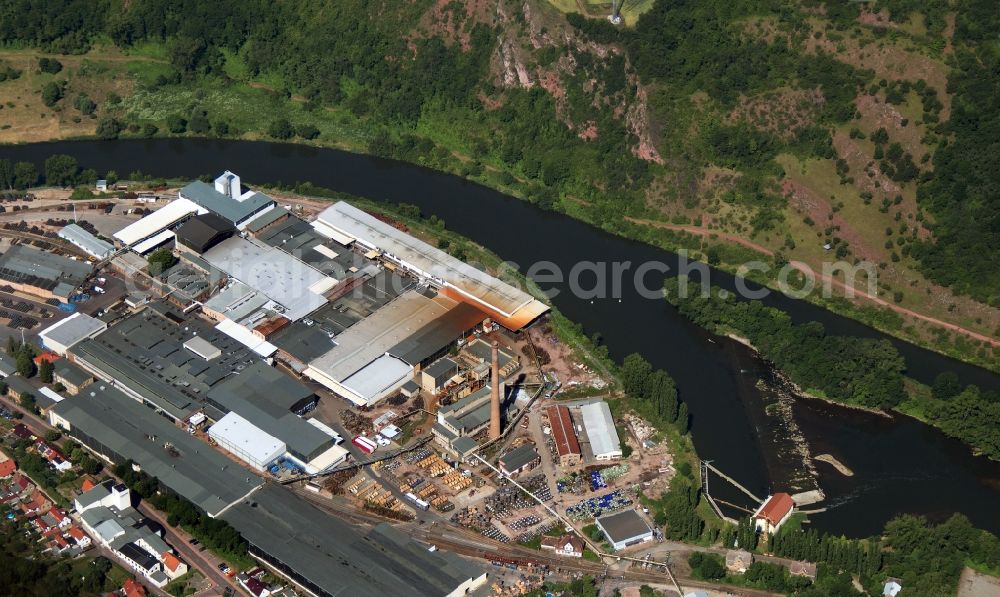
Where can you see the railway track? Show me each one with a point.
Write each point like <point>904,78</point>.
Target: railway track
<point>471,544</point>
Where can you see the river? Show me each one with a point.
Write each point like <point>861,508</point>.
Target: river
<point>900,465</point>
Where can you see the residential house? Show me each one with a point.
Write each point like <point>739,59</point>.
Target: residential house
<point>22,432</point>
<point>891,588</point>
<point>568,545</point>
<point>124,532</point>
<point>60,519</point>
<point>7,466</point>
<point>773,513</point>
<point>56,458</point>
<point>253,582</point>
<point>173,567</point>
<point>82,539</point>
<point>22,486</point>
<point>17,387</point>
<point>37,504</point>
<point>133,588</point>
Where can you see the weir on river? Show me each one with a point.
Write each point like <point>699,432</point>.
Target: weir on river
<point>899,464</point>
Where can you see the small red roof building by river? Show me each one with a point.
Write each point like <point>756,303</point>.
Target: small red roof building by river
<point>773,513</point>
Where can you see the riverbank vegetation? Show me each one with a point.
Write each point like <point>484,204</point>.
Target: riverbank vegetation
<point>967,413</point>
<point>927,558</point>
<point>855,371</point>
<point>849,370</point>
<point>766,121</point>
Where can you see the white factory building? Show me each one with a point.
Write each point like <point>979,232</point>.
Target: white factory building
<point>246,441</point>
<point>86,241</point>
<point>601,431</point>
<point>65,333</point>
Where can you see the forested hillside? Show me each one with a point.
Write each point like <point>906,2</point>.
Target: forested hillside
<point>803,130</point>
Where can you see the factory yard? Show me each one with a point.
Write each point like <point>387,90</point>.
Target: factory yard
<point>308,352</point>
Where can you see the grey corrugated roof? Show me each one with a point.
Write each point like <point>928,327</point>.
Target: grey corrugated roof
<point>482,350</point>
<point>24,263</point>
<point>266,218</point>
<point>623,526</point>
<point>20,385</point>
<point>519,456</point>
<point>231,209</point>
<point>335,559</point>
<point>600,427</point>
<point>464,445</point>
<point>92,496</point>
<point>441,367</point>
<point>73,329</point>
<point>304,342</point>
<point>124,428</point>
<point>130,353</point>
<point>7,365</point>
<point>70,372</point>
<point>265,396</point>
<point>155,542</point>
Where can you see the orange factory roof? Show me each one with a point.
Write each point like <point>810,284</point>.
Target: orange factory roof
<point>776,507</point>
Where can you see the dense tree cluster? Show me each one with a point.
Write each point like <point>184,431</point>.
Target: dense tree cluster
<point>970,415</point>
<point>677,509</point>
<point>359,55</point>
<point>655,393</point>
<point>160,261</point>
<point>699,46</point>
<point>707,566</point>
<point>23,572</point>
<point>961,192</point>
<point>928,558</point>
<point>859,371</point>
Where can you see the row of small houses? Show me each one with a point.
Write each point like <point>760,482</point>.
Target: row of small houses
<point>105,513</point>
<point>27,502</point>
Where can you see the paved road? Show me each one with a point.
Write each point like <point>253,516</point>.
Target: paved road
<point>677,547</point>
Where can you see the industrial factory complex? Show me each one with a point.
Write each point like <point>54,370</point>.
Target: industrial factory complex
<point>307,391</point>
<point>210,383</point>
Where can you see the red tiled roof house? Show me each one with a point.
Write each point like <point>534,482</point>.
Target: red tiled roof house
<point>775,510</point>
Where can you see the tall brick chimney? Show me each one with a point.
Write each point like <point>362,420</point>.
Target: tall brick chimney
<point>495,393</point>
